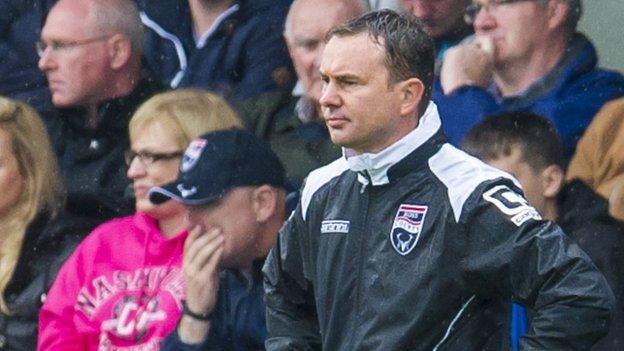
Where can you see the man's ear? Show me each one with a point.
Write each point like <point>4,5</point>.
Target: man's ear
<point>264,200</point>
<point>119,50</point>
<point>558,12</point>
<point>411,91</point>
<point>552,178</point>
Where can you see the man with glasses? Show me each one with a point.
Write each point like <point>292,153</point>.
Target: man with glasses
<point>90,52</point>
<point>527,55</point>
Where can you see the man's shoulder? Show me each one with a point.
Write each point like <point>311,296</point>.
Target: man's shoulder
<point>464,176</point>
<point>320,178</point>
<point>582,68</point>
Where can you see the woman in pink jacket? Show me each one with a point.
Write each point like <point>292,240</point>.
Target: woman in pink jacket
<point>122,288</point>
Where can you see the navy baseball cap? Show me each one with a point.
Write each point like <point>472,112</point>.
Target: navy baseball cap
<point>217,162</point>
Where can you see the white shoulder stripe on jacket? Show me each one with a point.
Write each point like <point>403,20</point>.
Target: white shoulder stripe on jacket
<point>319,177</point>
<point>462,174</point>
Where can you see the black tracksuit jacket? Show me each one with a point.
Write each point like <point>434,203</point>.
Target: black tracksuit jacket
<point>422,247</point>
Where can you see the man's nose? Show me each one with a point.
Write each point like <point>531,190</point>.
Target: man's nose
<point>329,95</point>
<point>46,61</point>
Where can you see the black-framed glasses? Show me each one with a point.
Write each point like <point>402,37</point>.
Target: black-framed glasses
<point>147,158</point>
<point>58,46</point>
<point>473,9</point>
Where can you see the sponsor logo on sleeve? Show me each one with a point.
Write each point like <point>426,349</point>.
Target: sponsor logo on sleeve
<point>406,228</point>
<point>512,204</point>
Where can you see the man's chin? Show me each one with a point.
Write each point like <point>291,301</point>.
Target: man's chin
<point>61,102</point>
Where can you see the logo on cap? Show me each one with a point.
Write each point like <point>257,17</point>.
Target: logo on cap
<point>192,153</point>
<point>186,192</point>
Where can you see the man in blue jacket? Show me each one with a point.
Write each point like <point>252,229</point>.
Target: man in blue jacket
<point>232,47</point>
<point>526,55</point>
<point>233,188</point>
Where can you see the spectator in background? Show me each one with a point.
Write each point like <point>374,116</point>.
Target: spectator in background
<point>444,20</point>
<point>528,147</point>
<point>123,286</point>
<point>233,188</point>
<point>90,52</point>
<point>527,55</point>
<point>292,122</point>
<point>20,25</point>
<point>599,157</point>
<point>36,234</point>
<point>232,47</point>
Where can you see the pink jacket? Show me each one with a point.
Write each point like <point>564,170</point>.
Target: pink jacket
<point>120,290</point>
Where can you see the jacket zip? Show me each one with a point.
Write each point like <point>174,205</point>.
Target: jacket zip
<point>366,192</point>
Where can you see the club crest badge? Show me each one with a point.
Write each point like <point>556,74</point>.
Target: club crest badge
<point>406,228</point>
<point>192,153</point>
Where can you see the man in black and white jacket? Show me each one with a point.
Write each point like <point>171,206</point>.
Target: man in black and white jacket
<point>407,243</point>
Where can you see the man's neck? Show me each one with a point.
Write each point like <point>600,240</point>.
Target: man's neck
<point>513,78</point>
<point>205,13</point>
<point>123,85</point>
<point>550,210</point>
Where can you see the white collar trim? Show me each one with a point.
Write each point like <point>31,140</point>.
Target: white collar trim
<point>377,165</point>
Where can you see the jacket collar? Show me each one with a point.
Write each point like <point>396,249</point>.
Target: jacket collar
<point>114,114</point>
<point>579,58</point>
<point>376,168</point>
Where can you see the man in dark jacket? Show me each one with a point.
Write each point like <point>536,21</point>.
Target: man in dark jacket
<point>527,146</point>
<point>526,55</point>
<point>407,243</point>
<point>90,52</point>
<point>232,47</point>
<point>233,187</point>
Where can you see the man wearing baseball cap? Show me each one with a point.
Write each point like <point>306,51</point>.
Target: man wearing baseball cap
<point>234,190</point>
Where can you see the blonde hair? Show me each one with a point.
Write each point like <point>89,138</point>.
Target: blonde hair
<point>186,113</point>
<point>42,188</point>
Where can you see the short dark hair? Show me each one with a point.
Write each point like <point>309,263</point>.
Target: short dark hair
<point>409,50</point>
<point>497,135</point>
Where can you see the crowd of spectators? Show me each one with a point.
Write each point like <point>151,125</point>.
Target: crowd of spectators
<point>101,98</point>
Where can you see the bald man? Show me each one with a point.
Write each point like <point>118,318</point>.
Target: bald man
<point>90,52</point>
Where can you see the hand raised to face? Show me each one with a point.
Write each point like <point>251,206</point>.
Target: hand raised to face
<point>202,254</point>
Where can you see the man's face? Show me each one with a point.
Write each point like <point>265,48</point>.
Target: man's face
<point>515,29</point>
<point>531,182</point>
<point>234,215</point>
<point>361,110</point>
<point>76,73</point>
<point>440,17</point>
<point>306,40</point>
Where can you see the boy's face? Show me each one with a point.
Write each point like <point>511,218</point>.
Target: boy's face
<point>531,180</point>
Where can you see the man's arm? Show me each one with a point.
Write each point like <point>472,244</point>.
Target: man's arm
<point>266,63</point>
<point>461,90</point>
<point>292,322</point>
<point>512,252</point>
<point>202,254</point>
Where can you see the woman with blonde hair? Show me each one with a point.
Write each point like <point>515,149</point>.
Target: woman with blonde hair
<point>35,235</point>
<point>123,287</point>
